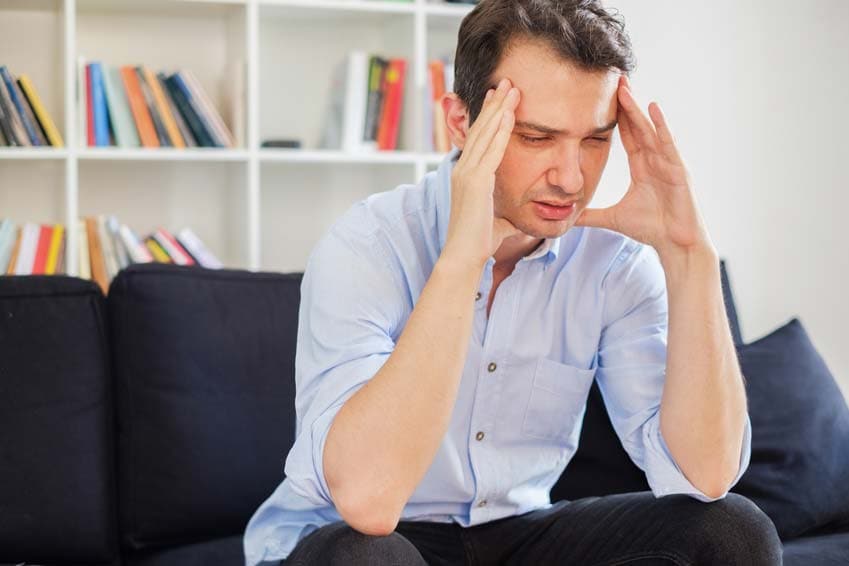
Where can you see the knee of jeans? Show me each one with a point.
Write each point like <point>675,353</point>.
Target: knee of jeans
<point>348,546</point>
<point>734,530</point>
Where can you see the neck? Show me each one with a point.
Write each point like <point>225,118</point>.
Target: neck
<point>515,248</point>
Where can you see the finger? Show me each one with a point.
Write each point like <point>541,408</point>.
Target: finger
<point>485,117</point>
<point>597,218</point>
<point>664,134</point>
<point>626,133</point>
<point>642,128</point>
<point>495,152</point>
<point>486,136</point>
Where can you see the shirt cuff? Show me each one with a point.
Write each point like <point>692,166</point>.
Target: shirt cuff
<point>665,476</point>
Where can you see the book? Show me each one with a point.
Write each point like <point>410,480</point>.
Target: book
<point>141,116</point>
<point>82,102</point>
<point>162,108</point>
<point>174,250</point>
<point>107,248</point>
<point>185,131</point>
<point>222,133</point>
<point>15,128</point>
<point>16,250</point>
<point>100,111</point>
<point>198,250</point>
<point>91,139</point>
<point>377,69</point>
<point>156,250</point>
<point>24,111</point>
<point>51,133</point>
<point>390,121</point>
<point>8,232</point>
<point>60,255</point>
<point>123,126</point>
<point>84,258</point>
<point>53,265</point>
<point>95,251</point>
<point>181,92</point>
<point>28,248</point>
<point>158,125</point>
<point>135,248</point>
<point>45,234</point>
<point>114,228</point>
<point>441,141</point>
<point>345,117</point>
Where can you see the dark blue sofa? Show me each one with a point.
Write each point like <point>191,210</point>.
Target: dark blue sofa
<point>145,429</point>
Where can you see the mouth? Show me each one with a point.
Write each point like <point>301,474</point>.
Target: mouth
<point>554,211</point>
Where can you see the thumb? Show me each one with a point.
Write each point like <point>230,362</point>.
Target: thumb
<point>596,217</point>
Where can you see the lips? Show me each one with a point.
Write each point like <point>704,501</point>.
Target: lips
<point>550,211</point>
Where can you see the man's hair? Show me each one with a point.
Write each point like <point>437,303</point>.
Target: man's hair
<point>581,32</point>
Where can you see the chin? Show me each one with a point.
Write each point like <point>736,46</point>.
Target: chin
<point>539,228</point>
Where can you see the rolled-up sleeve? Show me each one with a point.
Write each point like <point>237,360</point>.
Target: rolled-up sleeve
<point>631,368</point>
<point>348,317</point>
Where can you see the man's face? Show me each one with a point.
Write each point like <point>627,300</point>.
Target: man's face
<point>550,166</point>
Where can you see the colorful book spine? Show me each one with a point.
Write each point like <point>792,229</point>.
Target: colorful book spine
<point>194,246</point>
<point>137,250</point>
<point>27,251</point>
<point>185,131</point>
<point>91,139</point>
<point>174,250</point>
<point>45,234</point>
<point>84,257</point>
<point>52,264</point>
<point>100,111</point>
<point>156,250</point>
<point>16,251</point>
<point>144,123</point>
<point>95,251</point>
<point>51,133</point>
<point>20,104</point>
<point>194,121</point>
<point>7,243</point>
<point>119,109</point>
<point>390,120</point>
<point>162,108</point>
<point>15,126</point>
<point>158,126</point>
<point>222,133</point>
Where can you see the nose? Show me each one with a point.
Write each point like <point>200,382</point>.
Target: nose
<point>565,169</point>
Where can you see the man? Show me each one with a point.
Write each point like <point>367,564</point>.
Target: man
<point>450,332</point>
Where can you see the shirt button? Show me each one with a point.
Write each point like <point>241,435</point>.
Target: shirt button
<point>491,367</point>
<point>478,296</point>
<point>479,435</point>
<point>482,503</point>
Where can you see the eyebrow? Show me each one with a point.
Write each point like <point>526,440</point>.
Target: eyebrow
<point>554,132</point>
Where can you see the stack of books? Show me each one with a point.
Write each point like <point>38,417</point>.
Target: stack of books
<point>131,106</point>
<point>24,121</point>
<point>105,247</point>
<point>366,99</point>
<point>440,80</point>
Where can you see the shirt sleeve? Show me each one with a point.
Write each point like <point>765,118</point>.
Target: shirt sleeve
<point>347,316</point>
<point>632,368</point>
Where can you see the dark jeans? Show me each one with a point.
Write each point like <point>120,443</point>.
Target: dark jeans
<point>630,528</point>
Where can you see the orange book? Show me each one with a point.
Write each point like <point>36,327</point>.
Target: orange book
<point>45,235</point>
<point>390,119</point>
<point>141,115</point>
<point>98,264</point>
<point>14,258</point>
<point>163,108</point>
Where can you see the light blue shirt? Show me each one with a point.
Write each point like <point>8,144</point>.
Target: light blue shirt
<point>590,304</point>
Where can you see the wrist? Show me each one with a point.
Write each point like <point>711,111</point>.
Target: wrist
<point>678,263</point>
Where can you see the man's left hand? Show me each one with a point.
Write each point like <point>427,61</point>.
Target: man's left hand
<point>659,207</point>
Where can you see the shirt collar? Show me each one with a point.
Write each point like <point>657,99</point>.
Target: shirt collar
<point>549,249</point>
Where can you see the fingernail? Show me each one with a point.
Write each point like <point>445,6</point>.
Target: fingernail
<point>488,94</point>
<point>502,85</point>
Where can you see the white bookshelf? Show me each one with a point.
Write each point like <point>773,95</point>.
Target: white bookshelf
<point>257,208</point>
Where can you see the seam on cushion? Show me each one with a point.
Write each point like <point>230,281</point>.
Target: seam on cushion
<point>52,295</point>
<point>213,274</point>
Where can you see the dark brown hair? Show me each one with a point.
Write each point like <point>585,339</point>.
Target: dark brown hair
<point>582,32</point>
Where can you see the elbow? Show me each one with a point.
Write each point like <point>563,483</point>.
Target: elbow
<point>368,517</point>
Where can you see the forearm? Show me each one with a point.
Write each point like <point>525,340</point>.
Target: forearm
<point>385,437</point>
<point>703,409</point>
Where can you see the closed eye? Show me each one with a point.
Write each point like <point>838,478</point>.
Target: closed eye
<point>533,140</point>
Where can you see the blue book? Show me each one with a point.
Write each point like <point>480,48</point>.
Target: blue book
<point>14,94</point>
<point>196,106</point>
<point>99,108</point>
<point>194,122</point>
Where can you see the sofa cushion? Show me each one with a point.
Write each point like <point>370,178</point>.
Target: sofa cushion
<point>819,550</point>
<point>224,551</point>
<point>601,466</point>
<point>57,485</point>
<point>800,433</point>
<point>204,362</point>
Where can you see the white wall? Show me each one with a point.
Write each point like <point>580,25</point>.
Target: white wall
<point>756,93</point>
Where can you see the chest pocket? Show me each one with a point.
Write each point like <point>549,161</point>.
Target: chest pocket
<point>558,398</point>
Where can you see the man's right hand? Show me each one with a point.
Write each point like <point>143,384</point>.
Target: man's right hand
<point>474,233</point>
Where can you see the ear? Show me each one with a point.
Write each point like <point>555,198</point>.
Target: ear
<point>456,118</point>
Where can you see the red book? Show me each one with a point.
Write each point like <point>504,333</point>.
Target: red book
<point>44,237</point>
<point>390,119</point>
<point>172,245</point>
<point>89,113</point>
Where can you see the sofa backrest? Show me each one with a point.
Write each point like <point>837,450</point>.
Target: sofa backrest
<point>204,370</point>
<point>57,486</point>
